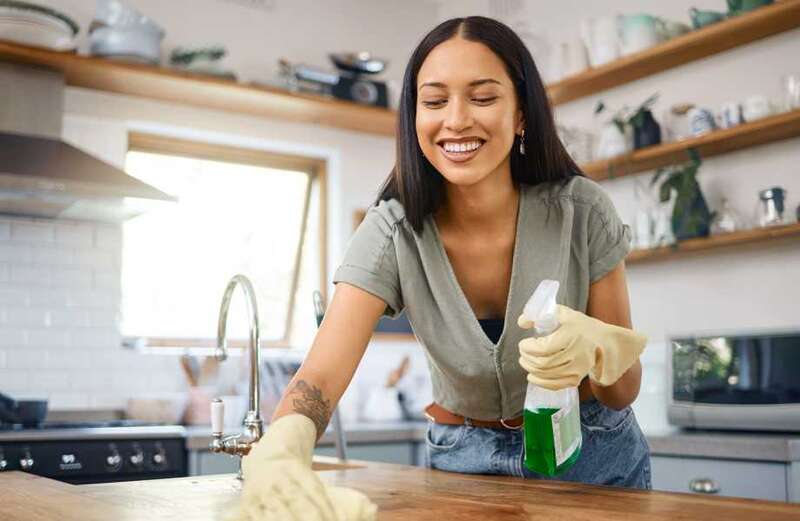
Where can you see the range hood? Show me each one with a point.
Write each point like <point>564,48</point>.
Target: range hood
<point>43,176</point>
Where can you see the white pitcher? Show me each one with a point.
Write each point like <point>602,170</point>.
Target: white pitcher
<point>601,37</point>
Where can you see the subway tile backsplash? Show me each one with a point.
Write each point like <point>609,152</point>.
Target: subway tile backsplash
<point>59,317</point>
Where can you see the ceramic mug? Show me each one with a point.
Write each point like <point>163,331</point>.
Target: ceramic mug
<point>730,115</point>
<point>639,32</point>
<point>756,107</point>
<point>701,121</point>
<point>703,18</point>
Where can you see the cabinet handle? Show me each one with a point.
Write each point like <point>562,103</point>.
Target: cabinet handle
<point>704,486</point>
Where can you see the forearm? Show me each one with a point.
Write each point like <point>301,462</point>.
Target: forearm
<point>306,395</point>
<point>621,393</point>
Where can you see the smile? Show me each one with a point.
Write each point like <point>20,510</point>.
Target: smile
<point>460,152</point>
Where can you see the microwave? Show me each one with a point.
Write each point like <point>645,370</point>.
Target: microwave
<point>735,381</point>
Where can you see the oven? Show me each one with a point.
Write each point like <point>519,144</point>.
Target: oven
<point>95,452</point>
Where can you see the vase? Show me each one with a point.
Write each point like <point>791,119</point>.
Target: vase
<point>648,133</point>
<point>691,217</point>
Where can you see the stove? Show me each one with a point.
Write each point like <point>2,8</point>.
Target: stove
<point>95,452</point>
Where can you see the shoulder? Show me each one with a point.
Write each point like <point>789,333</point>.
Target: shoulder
<point>385,216</point>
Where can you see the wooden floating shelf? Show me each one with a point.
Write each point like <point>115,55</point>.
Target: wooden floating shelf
<point>164,84</point>
<point>714,242</point>
<point>767,130</point>
<point>713,39</point>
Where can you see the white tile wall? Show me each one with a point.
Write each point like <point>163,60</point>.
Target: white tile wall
<point>59,317</point>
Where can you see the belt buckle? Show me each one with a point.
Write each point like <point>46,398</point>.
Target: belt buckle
<point>510,427</point>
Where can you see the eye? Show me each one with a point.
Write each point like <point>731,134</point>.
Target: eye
<point>485,101</point>
<point>433,103</point>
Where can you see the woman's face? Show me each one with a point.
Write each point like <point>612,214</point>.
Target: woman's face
<point>467,111</point>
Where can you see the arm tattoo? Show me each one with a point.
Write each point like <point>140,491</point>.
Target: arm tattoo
<point>311,403</point>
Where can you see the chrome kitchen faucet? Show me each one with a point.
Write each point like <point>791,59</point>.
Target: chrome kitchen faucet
<point>239,444</point>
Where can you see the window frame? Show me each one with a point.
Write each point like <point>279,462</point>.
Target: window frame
<point>314,167</point>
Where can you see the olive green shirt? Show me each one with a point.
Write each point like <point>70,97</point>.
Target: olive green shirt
<point>567,232</point>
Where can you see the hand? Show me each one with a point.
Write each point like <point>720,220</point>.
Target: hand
<point>280,485</point>
<point>581,346</point>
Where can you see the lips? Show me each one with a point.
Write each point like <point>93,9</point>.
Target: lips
<point>459,156</point>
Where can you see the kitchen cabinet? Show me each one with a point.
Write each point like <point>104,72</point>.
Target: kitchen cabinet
<point>204,462</point>
<point>775,481</point>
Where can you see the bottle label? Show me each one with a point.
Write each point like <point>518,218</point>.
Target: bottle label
<point>566,432</point>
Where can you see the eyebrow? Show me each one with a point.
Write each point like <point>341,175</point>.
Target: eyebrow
<point>475,83</point>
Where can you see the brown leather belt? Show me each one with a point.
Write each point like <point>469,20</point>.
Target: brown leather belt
<point>436,413</point>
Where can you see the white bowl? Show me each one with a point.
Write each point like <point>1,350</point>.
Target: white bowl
<point>113,42</point>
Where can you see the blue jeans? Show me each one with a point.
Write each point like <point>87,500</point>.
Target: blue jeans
<point>614,450</point>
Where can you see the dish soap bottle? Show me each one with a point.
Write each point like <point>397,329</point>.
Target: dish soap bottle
<point>551,419</point>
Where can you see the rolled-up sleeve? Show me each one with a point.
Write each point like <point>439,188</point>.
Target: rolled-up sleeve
<point>609,237</point>
<point>370,260</point>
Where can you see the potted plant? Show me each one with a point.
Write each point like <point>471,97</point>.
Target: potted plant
<point>638,122</point>
<point>690,215</point>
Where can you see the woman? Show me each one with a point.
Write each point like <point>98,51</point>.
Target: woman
<point>483,204</point>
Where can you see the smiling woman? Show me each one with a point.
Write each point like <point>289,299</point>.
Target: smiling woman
<point>484,203</point>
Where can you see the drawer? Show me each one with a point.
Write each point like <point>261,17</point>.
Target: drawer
<point>747,479</point>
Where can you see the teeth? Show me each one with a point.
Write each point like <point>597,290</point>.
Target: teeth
<point>462,147</point>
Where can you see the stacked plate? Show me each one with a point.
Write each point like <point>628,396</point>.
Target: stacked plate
<point>31,24</point>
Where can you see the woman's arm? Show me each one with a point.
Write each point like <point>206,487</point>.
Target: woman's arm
<point>334,356</point>
<point>609,302</point>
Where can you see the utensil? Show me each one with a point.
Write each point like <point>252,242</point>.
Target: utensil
<point>336,420</point>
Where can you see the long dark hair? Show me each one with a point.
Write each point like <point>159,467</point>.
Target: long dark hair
<point>415,183</point>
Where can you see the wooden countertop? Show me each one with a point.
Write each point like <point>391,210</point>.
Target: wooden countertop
<point>401,492</point>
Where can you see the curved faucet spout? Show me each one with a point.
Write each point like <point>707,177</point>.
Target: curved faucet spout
<point>253,423</point>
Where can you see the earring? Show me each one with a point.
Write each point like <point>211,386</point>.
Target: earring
<point>522,143</point>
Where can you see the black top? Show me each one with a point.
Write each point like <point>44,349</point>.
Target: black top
<point>493,327</point>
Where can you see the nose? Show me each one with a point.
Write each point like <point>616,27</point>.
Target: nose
<point>459,116</point>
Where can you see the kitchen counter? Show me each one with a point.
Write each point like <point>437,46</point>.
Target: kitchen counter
<point>401,493</point>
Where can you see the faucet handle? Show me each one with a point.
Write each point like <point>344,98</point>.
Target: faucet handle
<point>217,416</point>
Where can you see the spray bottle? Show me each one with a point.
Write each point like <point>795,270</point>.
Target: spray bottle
<point>551,419</point>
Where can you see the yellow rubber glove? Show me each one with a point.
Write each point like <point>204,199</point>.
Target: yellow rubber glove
<point>280,485</point>
<point>581,346</point>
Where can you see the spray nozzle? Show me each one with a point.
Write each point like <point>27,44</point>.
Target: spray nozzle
<point>541,308</point>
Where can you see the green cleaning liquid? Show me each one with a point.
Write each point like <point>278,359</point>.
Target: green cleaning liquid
<point>547,450</point>
<point>551,419</point>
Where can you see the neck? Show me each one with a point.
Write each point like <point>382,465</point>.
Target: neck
<point>488,206</point>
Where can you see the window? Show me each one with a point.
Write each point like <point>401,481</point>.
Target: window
<point>238,211</point>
